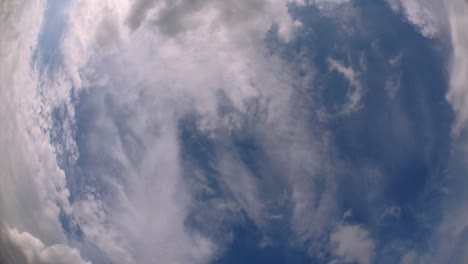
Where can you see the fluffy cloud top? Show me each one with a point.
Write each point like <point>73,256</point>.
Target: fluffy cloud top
<point>22,247</point>
<point>353,244</point>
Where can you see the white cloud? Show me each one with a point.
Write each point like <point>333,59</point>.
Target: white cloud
<point>423,14</point>
<point>22,247</point>
<point>352,244</point>
<point>243,187</point>
<point>172,18</point>
<point>392,211</point>
<point>356,91</point>
<point>457,95</point>
<point>326,5</point>
<point>392,86</point>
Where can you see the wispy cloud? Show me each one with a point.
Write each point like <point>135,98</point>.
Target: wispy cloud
<point>457,95</point>
<point>356,91</point>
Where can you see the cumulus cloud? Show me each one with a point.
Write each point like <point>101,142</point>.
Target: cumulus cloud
<point>352,244</point>
<point>393,82</point>
<point>22,247</point>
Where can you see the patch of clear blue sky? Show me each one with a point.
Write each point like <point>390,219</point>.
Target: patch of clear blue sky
<point>48,56</point>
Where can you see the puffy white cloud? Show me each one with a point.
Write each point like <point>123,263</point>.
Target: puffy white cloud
<point>22,247</point>
<point>352,244</point>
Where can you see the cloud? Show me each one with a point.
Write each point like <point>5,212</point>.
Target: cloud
<point>22,247</point>
<point>409,258</point>
<point>393,82</point>
<point>423,14</point>
<point>356,91</point>
<point>326,5</point>
<point>352,244</point>
<point>457,95</point>
<point>138,12</point>
<point>172,18</point>
<point>392,212</point>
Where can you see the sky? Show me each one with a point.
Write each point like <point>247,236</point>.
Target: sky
<point>252,131</point>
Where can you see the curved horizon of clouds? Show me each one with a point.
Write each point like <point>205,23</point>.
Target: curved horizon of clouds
<point>33,190</point>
